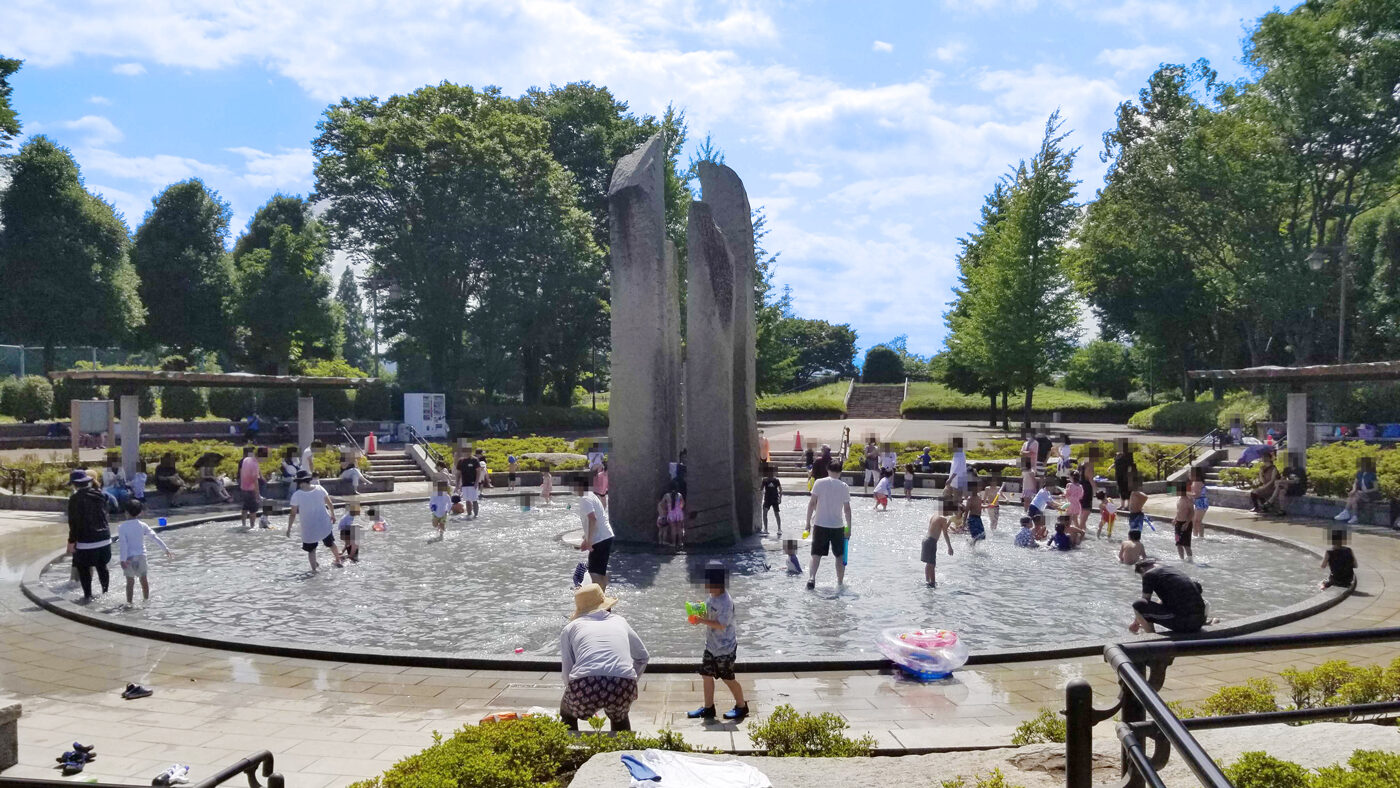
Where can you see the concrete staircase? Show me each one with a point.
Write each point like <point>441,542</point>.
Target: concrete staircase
<point>394,465</point>
<point>875,401</point>
<point>788,463</point>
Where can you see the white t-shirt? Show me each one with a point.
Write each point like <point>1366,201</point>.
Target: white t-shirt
<point>311,511</point>
<point>346,523</point>
<point>588,504</point>
<point>883,487</point>
<point>1109,508</point>
<point>832,496</point>
<point>131,539</point>
<point>957,469</point>
<point>1041,499</point>
<point>440,504</point>
<point>308,463</point>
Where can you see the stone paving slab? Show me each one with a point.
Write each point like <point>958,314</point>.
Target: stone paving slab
<point>329,723</point>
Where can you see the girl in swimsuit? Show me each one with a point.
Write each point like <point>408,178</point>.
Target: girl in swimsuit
<point>1199,503</point>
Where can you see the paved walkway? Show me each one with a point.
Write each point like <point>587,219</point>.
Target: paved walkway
<point>331,723</point>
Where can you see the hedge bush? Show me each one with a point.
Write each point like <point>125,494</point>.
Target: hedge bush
<point>497,449</point>
<point>333,404</point>
<point>232,403</point>
<point>185,403</point>
<point>33,399</point>
<point>785,733</point>
<point>993,779</point>
<point>1248,408</point>
<point>526,418</point>
<point>936,400</point>
<point>376,402</point>
<point>1332,468</point>
<point>145,402</point>
<point>9,387</point>
<point>536,751</point>
<point>882,365</point>
<point>1364,769</point>
<point>65,391</point>
<point>278,404</point>
<point>1046,727</point>
<point>828,399</point>
<point>1182,418</point>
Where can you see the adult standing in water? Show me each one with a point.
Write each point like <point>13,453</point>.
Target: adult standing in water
<point>249,475</point>
<point>830,500</point>
<point>597,532</point>
<point>313,504</point>
<point>819,466</point>
<point>468,468</point>
<point>89,531</point>
<point>1124,471</point>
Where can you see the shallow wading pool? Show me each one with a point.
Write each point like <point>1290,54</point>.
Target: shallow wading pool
<point>503,582</point>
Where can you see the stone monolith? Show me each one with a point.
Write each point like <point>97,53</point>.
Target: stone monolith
<point>709,382</point>
<point>723,191</point>
<point>644,424</point>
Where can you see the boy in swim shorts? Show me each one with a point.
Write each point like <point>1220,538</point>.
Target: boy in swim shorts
<point>882,491</point>
<point>1136,517</point>
<point>1181,523</point>
<point>1131,550</point>
<point>973,506</point>
<point>928,552</point>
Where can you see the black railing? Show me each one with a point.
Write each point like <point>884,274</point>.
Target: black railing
<point>1213,437</point>
<point>250,766</point>
<point>1143,715</point>
<point>16,480</point>
<point>427,447</point>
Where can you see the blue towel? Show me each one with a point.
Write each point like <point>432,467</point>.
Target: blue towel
<point>580,572</point>
<point>639,770</point>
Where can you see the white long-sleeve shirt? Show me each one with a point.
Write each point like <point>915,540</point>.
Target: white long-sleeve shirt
<point>601,644</point>
<point>131,539</point>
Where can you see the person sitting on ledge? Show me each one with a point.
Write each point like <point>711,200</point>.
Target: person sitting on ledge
<point>1181,609</point>
<point>168,478</point>
<point>1339,561</point>
<point>1264,488</point>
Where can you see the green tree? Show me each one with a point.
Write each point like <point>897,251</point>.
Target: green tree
<point>186,276</point>
<point>882,365</point>
<point>966,366</point>
<point>775,361</point>
<point>284,309</point>
<point>63,257</point>
<point>1024,274</point>
<point>358,349</point>
<point>1101,368</point>
<point>9,119</point>
<point>1375,241</point>
<point>822,349</point>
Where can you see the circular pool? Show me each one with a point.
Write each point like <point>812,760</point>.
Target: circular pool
<point>503,582</point>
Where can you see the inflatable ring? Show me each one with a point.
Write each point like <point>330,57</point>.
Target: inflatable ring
<point>926,654</point>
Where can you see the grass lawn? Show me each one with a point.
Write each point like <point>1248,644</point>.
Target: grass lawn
<point>828,399</point>
<point>936,396</point>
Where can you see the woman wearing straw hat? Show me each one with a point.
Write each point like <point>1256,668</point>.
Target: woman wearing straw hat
<point>602,660</point>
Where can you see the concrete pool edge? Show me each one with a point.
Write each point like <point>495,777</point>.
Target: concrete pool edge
<point>32,588</point>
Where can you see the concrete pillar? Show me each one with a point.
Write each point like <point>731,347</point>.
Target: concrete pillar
<point>724,192</point>
<point>1297,426</point>
<point>306,422</point>
<point>131,432</point>
<point>709,382</point>
<point>645,407</point>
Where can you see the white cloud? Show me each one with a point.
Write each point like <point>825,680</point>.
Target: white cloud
<point>94,130</point>
<point>801,179</point>
<point>1137,58</point>
<point>160,170</point>
<point>951,52</point>
<point>102,100</point>
<point>129,69</point>
<point>990,5</point>
<point>882,46</point>
<point>1149,17</point>
<point>288,170</point>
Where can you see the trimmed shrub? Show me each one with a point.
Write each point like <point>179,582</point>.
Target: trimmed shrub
<point>1364,769</point>
<point>785,733</point>
<point>278,403</point>
<point>65,391</point>
<point>33,399</point>
<point>145,402</point>
<point>1261,770</point>
<point>1047,726</point>
<point>993,779</point>
<point>1255,695</point>
<point>542,417</point>
<point>882,365</point>
<point>1181,418</point>
<point>184,402</point>
<point>1248,408</point>
<point>497,449</point>
<point>231,403</point>
<point>9,387</point>
<point>333,404</point>
<point>375,402</point>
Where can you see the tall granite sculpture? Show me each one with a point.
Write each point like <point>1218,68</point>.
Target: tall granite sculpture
<point>724,193</point>
<point>709,381</point>
<point>646,367</point>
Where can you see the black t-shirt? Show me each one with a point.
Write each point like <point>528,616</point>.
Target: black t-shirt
<point>1341,562</point>
<point>1042,449</point>
<point>1176,589</point>
<point>819,467</point>
<point>468,468</point>
<point>772,490</point>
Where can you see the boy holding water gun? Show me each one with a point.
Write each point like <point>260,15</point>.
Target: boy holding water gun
<point>721,647</point>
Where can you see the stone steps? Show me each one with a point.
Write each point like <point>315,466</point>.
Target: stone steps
<point>874,401</point>
<point>394,466</point>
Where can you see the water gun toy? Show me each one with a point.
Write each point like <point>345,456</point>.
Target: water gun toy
<point>694,611</point>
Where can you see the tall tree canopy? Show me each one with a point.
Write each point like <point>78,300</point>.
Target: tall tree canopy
<point>284,312</point>
<point>186,276</point>
<point>359,349</point>
<point>9,119</point>
<point>63,257</point>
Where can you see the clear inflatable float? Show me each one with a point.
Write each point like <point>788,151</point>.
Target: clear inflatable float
<point>925,654</point>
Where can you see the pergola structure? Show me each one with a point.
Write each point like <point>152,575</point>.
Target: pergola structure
<point>135,379</point>
<point>1296,378</point>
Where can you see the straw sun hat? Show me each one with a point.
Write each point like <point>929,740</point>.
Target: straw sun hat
<point>589,598</point>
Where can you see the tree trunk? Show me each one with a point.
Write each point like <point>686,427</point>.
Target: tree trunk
<point>532,383</point>
<point>992,410</point>
<point>1026,410</point>
<point>48,357</point>
<point>1005,416</point>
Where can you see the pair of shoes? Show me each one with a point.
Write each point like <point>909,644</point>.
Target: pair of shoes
<point>1345,515</point>
<point>702,713</point>
<point>136,691</point>
<point>737,714</point>
<point>177,774</point>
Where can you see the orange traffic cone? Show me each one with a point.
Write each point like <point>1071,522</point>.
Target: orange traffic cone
<point>797,446</point>
<point>371,444</point>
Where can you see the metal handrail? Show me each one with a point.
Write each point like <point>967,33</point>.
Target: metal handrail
<point>249,766</point>
<point>18,480</point>
<point>1145,715</point>
<point>1190,449</point>
<point>427,447</point>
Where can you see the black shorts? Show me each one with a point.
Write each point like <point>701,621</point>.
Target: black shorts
<point>310,547</point>
<point>1183,532</point>
<point>771,505</point>
<point>511,476</point>
<point>719,667</point>
<point>598,557</point>
<point>1161,615</point>
<point>347,535</point>
<point>252,502</point>
<point>828,539</point>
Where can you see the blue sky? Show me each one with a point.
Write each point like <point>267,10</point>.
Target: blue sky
<point>869,131</point>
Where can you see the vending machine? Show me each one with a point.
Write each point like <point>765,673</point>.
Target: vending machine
<point>426,413</point>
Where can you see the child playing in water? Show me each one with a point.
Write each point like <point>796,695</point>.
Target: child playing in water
<point>440,505</point>
<point>349,536</point>
<point>1181,523</point>
<point>909,482</point>
<point>882,491</point>
<point>1027,482</point>
<point>1136,517</point>
<point>721,646</point>
<point>972,505</point>
<point>1108,512</point>
<point>991,501</point>
<point>457,506</point>
<point>1025,537</point>
<point>1132,551</point>
<point>1061,540</point>
<point>547,483</point>
<point>790,550</point>
<point>928,552</point>
<point>1199,504</point>
<point>670,517</point>
<point>1074,497</point>
<point>377,523</point>
<point>131,548</point>
<point>772,497</point>
<point>512,465</point>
